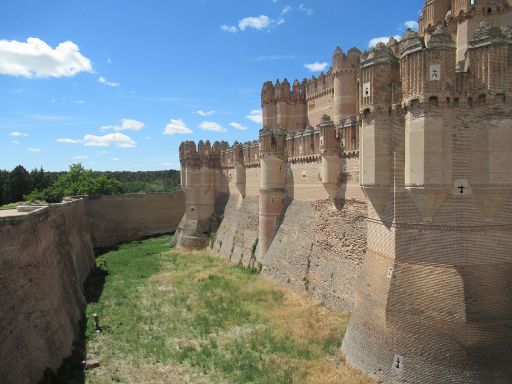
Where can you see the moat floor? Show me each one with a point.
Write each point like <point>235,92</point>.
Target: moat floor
<point>173,317</point>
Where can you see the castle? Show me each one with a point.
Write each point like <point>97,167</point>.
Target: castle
<point>383,187</point>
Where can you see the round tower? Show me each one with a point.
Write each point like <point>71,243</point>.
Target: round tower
<point>198,178</point>
<point>330,171</point>
<point>272,186</point>
<point>345,68</point>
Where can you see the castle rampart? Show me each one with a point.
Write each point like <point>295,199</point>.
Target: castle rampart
<point>423,126</point>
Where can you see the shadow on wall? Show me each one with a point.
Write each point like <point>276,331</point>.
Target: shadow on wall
<point>72,371</point>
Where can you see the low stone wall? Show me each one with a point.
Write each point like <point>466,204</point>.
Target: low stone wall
<point>319,249</point>
<point>45,257</point>
<point>121,218</point>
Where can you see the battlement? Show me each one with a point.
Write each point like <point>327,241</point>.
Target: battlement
<point>273,93</point>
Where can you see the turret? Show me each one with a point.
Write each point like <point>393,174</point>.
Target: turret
<point>379,78</point>
<point>272,185</point>
<point>330,171</point>
<point>469,14</point>
<point>490,52</point>
<point>284,105</point>
<point>198,179</point>
<point>240,174</point>
<point>428,82</point>
<point>345,69</point>
<point>433,14</point>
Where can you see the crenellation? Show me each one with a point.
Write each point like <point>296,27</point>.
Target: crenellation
<point>422,127</point>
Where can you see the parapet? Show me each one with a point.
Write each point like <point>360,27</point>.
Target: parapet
<point>273,141</point>
<point>342,61</point>
<point>380,54</point>
<point>487,35</point>
<point>203,155</point>
<point>273,93</point>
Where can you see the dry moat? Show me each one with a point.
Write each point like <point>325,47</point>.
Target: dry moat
<point>173,317</point>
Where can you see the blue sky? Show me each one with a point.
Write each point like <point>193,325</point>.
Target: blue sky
<point>118,84</point>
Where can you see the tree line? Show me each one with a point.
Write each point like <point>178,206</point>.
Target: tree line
<point>40,185</point>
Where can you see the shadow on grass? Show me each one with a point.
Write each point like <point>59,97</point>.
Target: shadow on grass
<point>72,370</point>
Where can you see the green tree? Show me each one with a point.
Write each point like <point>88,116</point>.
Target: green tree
<point>80,181</point>
<point>41,179</point>
<point>18,184</point>
<point>3,197</point>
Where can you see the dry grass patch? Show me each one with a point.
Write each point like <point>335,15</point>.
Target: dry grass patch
<point>174,317</point>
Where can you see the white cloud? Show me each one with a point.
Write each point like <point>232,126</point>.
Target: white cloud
<point>212,126</point>
<point>115,159</point>
<point>205,113</point>
<point>18,134</point>
<point>69,141</point>
<point>148,137</point>
<point>35,58</point>
<point>229,28</point>
<point>92,162</point>
<point>256,116</point>
<point>31,149</point>
<point>167,164</point>
<point>316,66</point>
<point>382,39</point>
<point>103,152</point>
<point>126,125</point>
<point>15,142</point>
<point>120,140</point>
<point>411,24</point>
<point>307,11</point>
<point>104,81</point>
<point>79,157</point>
<point>285,10</point>
<point>259,22</point>
<point>79,102</point>
<point>109,60</point>
<point>238,126</point>
<point>176,127</point>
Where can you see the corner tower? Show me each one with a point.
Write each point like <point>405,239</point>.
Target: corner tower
<point>272,185</point>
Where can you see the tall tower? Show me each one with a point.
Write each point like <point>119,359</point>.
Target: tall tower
<point>272,185</point>
<point>240,174</point>
<point>345,68</point>
<point>380,75</point>
<point>433,302</point>
<point>198,177</point>
<point>331,170</point>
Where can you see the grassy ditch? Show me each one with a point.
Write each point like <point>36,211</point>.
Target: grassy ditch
<point>173,317</point>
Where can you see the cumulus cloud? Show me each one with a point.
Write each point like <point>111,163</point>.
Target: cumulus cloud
<point>262,22</point>
<point>205,113</point>
<point>18,134</point>
<point>176,127</point>
<point>411,24</point>
<point>126,125</point>
<point>32,149</point>
<point>259,22</point>
<point>120,140</point>
<point>238,126</point>
<point>229,28</point>
<point>307,11</point>
<point>316,66</point>
<point>104,81</point>
<point>35,58</point>
<point>69,141</point>
<point>382,39</point>
<point>212,126</point>
<point>256,116</point>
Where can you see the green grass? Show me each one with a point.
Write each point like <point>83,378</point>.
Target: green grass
<point>178,317</point>
<point>12,205</point>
